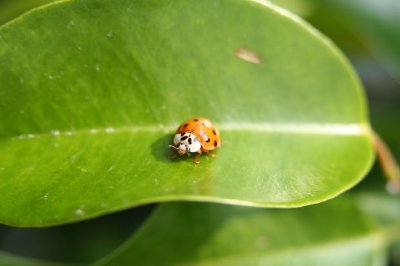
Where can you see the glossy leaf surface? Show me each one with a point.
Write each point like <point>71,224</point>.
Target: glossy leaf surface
<point>92,91</point>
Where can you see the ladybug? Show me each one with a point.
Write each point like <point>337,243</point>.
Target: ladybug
<point>196,135</point>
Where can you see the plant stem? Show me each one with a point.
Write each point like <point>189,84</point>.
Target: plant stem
<point>388,164</point>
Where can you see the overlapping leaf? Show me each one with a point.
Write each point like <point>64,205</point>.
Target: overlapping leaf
<point>247,236</point>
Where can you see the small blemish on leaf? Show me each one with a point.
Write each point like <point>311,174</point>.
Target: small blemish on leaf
<point>70,24</point>
<point>248,56</point>
<point>80,211</point>
<point>55,132</point>
<point>84,170</point>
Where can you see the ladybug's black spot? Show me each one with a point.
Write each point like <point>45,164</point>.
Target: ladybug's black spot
<point>215,133</point>
<point>183,138</point>
<point>215,143</point>
<point>185,125</point>
<point>195,119</point>
<point>182,134</point>
<point>190,140</point>
<point>208,140</point>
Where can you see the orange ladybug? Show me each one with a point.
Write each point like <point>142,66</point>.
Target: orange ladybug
<point>196,135</point>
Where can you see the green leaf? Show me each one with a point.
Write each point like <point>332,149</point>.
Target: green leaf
<point>396,253</point>
<point>332,233</point>
<point>10,9</point>
<point>7,259</point>
<point>383,207</point>
<point>91,92</point>
<point>78,243</point>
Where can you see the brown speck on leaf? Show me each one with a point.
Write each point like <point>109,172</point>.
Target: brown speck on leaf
<point>248,55</point>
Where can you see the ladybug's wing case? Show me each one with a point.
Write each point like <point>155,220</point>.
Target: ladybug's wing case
<point>188,126</point>
<point>204,130</point>
<point>210,138</point>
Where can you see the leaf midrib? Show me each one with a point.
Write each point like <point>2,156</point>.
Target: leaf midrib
<point>288,128</point>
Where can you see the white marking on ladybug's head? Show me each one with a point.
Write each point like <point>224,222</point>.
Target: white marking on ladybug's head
<point>186,143</point>
<point>177,139</point>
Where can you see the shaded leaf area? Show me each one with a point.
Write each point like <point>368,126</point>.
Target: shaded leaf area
<point>383,209</point>
<point>10,9</point>
<point>209,234</point>
<point>7,259</point>
<point>395,253</point>
<point>85,123</point>
<point>387,216</point>
<point>79,243</point>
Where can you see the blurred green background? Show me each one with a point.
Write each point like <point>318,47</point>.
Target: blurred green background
<point>367,31</point>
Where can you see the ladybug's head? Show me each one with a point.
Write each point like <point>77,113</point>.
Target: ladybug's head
<point>186,143</point>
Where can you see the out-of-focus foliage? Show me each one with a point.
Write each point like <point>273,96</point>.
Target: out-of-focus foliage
<point>377,24</point>
<point>357,26</point>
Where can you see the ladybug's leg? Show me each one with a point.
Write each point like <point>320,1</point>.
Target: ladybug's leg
<point>196,158</point>
<point>212,155</point>
<point>173,153</point>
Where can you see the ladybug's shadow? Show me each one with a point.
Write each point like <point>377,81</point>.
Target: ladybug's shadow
<point>161,151</point>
